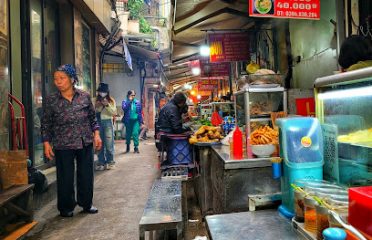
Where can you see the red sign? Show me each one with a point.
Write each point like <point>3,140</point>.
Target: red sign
<point>207,84</point>
<point>214,69</point>
<point>301,9</point>
<point>229,47</point>
<point>305,106</point>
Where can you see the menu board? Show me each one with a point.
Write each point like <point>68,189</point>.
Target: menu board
<point>214,69</point>
<point>207,84</point>
<point>300,9</point>
<point>229,47</point>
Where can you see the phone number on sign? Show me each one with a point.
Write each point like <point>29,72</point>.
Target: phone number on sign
<point>297,6</point>
<point>296,14</point>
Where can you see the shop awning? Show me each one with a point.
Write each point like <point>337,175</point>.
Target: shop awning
<point>118,48</point>
<point>144,53</point>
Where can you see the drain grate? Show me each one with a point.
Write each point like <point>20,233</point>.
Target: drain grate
<point>179,172</point>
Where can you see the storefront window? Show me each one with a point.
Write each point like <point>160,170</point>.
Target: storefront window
<point>4,76</point>
<point>45,57</point>
<point>36,77</point>
<point>83,53</point>
<point>51,47</point>
<point>87,80</point>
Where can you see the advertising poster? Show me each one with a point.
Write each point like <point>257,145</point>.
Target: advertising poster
<point>300,9</point>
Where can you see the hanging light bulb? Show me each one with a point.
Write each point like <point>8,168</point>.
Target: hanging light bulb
<point>196,71</point>
<point>205,50</point>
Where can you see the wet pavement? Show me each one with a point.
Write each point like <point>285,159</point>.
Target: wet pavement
<point>120,195</point>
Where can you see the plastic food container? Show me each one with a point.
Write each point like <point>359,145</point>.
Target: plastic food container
<point>340,207</point>
<point>299,206</point>
<point>321,221</point>
<point>310,214</point>
<point>360,209</point>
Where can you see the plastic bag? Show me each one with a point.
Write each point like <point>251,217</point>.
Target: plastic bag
<point>225,141</point>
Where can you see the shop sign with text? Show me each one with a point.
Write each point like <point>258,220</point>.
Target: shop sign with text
<point>228,47</point>
<point>301,9</point>
<point>207,84</point>
<point>209,69</point>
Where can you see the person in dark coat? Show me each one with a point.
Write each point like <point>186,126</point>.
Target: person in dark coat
<point>170,116</point>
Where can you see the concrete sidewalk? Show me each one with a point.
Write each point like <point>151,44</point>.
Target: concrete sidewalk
<point>119,194</point>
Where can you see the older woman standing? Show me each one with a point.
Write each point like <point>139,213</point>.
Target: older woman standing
<point>69,125</point>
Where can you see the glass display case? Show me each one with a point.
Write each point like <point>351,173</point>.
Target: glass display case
<point>253,106</point>
<point>205,111</point>
<point>225,108</point>
<point>343,106</point>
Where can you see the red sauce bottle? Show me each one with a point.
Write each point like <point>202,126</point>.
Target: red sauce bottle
<point>238,144</point>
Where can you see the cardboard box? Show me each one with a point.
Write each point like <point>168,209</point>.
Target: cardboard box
<point>13,169</point>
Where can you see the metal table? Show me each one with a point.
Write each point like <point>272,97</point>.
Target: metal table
<point>163,210</point>
<point>233,180</point>
<point>259,225</point>
<point>203,182</point>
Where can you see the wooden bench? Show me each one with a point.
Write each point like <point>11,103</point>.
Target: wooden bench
<point>17,200</point>
<point>163,210</point>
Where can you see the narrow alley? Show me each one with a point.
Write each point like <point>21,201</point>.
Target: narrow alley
<point>119,194</point>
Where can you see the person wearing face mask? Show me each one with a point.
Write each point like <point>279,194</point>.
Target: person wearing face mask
<point>105,110</point>
<point>132,119</point>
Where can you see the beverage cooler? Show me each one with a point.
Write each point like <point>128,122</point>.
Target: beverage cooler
<point>344,108</point>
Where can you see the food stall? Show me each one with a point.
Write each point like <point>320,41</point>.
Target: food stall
<point>225,184</point>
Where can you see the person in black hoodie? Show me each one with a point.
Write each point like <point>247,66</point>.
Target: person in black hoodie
<point>170,116</point>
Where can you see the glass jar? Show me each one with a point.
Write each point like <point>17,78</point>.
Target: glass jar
<point>341,208</point>
<point>299,206</point>
<point>321,221</point>
<point>310,214</point>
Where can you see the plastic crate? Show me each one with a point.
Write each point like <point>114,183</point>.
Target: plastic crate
<point>179,151</point>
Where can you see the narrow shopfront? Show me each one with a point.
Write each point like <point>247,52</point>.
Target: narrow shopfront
<point>56,33</point>
<point>4,74</point>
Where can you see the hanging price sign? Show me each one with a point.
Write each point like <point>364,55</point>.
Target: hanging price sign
<point>300,9</point>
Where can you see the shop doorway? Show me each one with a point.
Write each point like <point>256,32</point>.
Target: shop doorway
<point>43,48</point>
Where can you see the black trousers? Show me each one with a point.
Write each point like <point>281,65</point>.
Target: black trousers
<point>65,162</point>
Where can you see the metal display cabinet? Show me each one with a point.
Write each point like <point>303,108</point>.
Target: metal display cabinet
<point>205,110</point>
<point>343,106</point>
<point>227,108</point>
<point>253,106</point>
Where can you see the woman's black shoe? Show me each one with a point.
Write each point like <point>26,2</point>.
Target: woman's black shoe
<point>136,150</point>
<point>66,214</point>
<point>91,210</point>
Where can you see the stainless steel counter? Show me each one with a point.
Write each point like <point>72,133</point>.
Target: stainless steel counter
<point>224,155</point>
<point>263,225</point>
<point>231,181</point>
